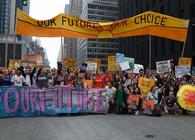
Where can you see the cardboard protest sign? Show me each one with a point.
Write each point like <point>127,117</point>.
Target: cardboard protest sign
<point>193,71</point>
<point>137,68</point>
<point>112,63</point>
<point>163,66</point>
<point>186,97</point>
<point>130,61</point>
<point>145,85</point>
<point>180,71</point>
<point>28,60</point>
<point>124,66</point>
<point>120,58</point>
<point>91,66</point>
<point>70,63</point>
<point>14,64</point>
<point>95,61</point>
<point>185,61</point>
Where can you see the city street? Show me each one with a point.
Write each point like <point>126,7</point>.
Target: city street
<point>98,127</point>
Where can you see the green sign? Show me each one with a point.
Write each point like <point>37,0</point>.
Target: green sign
<point>130,61</point>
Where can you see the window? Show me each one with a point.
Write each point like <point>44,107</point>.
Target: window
<point>163,47</point>
<point>193,10</point>
<point>193,36</point>
<point>154,3</point>
<point>181,2</point>
<point>181,13</point>
<point>162,9</point>
<point>172,47</point>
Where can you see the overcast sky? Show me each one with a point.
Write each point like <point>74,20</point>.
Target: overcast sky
<point>46,9</point>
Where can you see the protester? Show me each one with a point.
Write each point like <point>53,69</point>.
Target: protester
<point>59,78</point>
<point>88,82</point>
<point>121,87</point>
<point>120,100</point>
<point>28,75</point>
<point>18,79</point>
<point>42,79</point>
<point>111,94</point>
<point>170,104</point>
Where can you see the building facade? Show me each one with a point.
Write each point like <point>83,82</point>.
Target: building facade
<point>10,45</point>
<point>100,49</point>
<point>74,8</point>
<point>162,49</point>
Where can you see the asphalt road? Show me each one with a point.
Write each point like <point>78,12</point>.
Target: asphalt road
<point>99,127</point>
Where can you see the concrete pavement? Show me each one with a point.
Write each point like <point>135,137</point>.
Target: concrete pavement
<point>99,127</point>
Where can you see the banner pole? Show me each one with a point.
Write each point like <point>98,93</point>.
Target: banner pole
<point>184,43</point>
<point>150,52</point>
<point>14,49</point>
<point>183,49</point>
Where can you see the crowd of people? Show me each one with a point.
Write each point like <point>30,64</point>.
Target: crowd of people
<point>120,86</point>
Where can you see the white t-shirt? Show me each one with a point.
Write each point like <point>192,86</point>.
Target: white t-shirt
<point>18,80</point>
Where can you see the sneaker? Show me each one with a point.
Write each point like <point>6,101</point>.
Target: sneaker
<point>137,112</point>
<point>176,114</point>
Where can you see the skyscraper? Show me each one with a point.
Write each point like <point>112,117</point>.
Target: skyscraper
<point>162,49</point>
<point>89,49</point>
<point>75,8</point>
<point>7,30</point>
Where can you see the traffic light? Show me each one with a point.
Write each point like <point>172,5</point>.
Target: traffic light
<point>24,2</point>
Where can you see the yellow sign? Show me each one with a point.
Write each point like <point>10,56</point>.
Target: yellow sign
<point>145,84</point>
<point>112,63</point>
<point>14,64</point>
<point>186,97</point>
<point>63,25</point>
<point>70,63</point>
<point>185,61</point>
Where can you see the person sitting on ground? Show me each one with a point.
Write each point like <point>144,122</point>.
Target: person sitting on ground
<point>170,104</point>
<point>155,95</point>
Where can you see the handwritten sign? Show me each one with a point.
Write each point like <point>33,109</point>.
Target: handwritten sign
<point>91,66</point>
<point>163,66</point>
<point>124,66</point>
<point>120,58</point>
<point>112,63</point>
<point>145,84</point>
<point>28,101</point>
<point>137,68</point>
<point>70,63</point>
<point>185,61</point>
<point>180,71</point>
<point>130,61</point>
